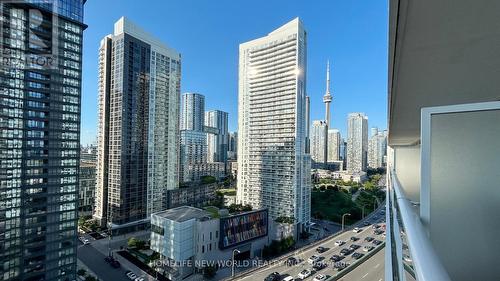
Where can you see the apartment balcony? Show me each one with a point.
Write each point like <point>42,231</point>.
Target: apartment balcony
<point>444,125</point>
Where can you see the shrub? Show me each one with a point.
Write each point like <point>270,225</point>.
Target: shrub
<point>209,271</point>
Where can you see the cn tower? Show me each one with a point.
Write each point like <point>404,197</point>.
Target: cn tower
<point>327,98</point>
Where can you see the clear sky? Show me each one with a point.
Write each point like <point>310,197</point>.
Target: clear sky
<point>351,34</point>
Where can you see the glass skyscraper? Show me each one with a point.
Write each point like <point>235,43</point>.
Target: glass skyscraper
<point>139,92</point>
<point>40,92</point>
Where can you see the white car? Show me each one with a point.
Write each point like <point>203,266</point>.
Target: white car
<point>407,258</point>
<point>131,275</point>
<point>304,274</point>
<point>139,279</point>
<point>367,248</point>
<point>357,230</point>
<point>319,277</point>
<point>288,278</point>
<point>313,259</point>
<point>339,243</point>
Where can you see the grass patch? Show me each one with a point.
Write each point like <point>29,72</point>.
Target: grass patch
<point>214,211</point>
<point>227,191</point>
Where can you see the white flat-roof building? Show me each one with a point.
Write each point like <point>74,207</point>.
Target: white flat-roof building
<point>187,238</point>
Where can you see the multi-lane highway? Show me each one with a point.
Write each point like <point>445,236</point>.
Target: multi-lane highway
<point>370,270</point>
<point>305,253</point>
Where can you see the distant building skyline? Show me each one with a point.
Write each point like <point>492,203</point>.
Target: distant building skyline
<point>217,142</point>
<point>377,148</point>
<point>357,142</point>
<point>334,144</point>
<point>357,52</point>
<point>319,142</point>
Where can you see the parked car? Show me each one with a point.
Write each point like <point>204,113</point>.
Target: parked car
<point>354,247</point>
<point>321,249</point>
<point>339,243</point>
<point>369,239</point>
<point>131,275</point>
<point>377,242</point>
<point>139,279</point>
<point>346,251</point>
<point>287,277</point>
<point>354,238</point>
<point>357,230</point>
<point>367,248</point>
<point>115,264</point>
<point>336,258</point>
<point>291,261</point>
<point>375,226</point>
<point>304,274</point>
<point>275,276</point>
<point>319,266</point>
<point>313,259</point>
<point>357,255</point>
<point>319,277</point>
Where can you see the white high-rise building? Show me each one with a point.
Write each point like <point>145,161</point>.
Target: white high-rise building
<point>319,135</point>
<point>334,143</point>
<point>357,142</point>
<point>377,146</point>
<point>138,125</point>
<point>273,168</point>
<point>217,142</point>
<point>192,112</point>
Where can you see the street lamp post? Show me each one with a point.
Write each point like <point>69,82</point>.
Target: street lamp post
<point>232,264</point>
<point>363,212</point>
<point>343,219</point>
<point>110,232</point>
<point>109,238</point>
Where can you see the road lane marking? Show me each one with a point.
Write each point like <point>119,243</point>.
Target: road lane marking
<point>364,276</point>
<point>378,264</point>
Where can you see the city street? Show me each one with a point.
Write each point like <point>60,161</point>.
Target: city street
<point>305,253</point>
<point>94,260</point>
<point>93,255</point>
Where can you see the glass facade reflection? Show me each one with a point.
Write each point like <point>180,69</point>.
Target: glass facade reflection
<point>39,143</point>
<point>72,9</point>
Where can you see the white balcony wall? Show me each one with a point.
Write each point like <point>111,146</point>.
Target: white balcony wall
<point>460,196</point>
<point>407,167</point>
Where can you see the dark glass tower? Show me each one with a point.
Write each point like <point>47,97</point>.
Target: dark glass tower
<point>40,92</point>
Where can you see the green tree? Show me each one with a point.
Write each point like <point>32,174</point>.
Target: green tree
<point>132,242</point>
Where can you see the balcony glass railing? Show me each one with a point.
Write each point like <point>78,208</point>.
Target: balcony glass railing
<point>409,255</point>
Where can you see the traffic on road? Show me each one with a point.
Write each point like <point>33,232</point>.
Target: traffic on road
<point>334,255</point>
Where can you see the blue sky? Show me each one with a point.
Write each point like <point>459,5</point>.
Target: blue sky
<point>351,34</point>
